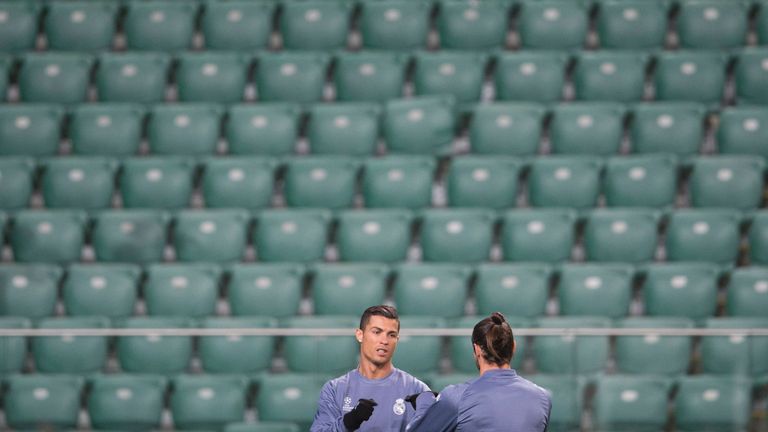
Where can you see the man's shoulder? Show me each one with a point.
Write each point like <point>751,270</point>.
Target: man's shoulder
<point>535,388</point>
<point>409,380</point>
<point>338,381</point>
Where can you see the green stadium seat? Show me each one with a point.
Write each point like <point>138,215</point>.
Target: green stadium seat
<point>758,239</point>
<point>564,181</point>
<point>156,182</point>
<point>321,354</point>
<point>372,76</point>
<point>108,290</point>
<point>346,289</point>
<point>263,129</point>
<point>696,76</point>
<point>761,23</point>
<point>398,181</point>
<point>184,129</point>
<point>212,76</point>
<point>42,401</point>
<point>748,292</point>
<point>30,129</point>
<point>439,382</point>
<point>742,130</point>
<point>394,25</point>
<point>243,182</point>
<point>457,235</point>
<point>289,398</point>
<point>654,354</point>
<point>627,402</point>
<point>321,181</point>
<point>610,76</point>
<point>343,129</point>
<point>273,290</point>
<point>587,128</point>
<point>132,76</point>
<point>736,354</point>
<point>512,129</point>
<point>262,427</point>
<point>374,235</point>
<point>211,235</point>
<point>200,402</point>
<point>183,290</point>
<point>18,29</point>
<point>457,73</point>
<point>569,354</point>
<point>134,236</point>
<point>690,234</point>
<point>438,290</point>
<point>13,349</point>
<point>517,290</point>
<point>106,129</point>
<point>55,236</point>
<point>237,25</point>
<point>461,354</point>
<point>734,182</point>
<point>640,181</point>
<point>709,403</point>
<point>5,68</point>
<point>67,354</point>
<point>56,77</point>
<point>420,125</point>
<point>712,24</point>
<point>80,26</point>
<point>419,355</point>
<point>544,235</point>
<point>751,75</point>
<point>628,235</point>
<point>78,182</point>
<point>668,127</point>
<point>681,289</point>
<point>537,76</point>
<point>28,290</point>
<point>297,235</point>
<point>291,76</point>
<point>16,177</point>
<point>159,25</point>
<point>126,401</point>
<point>567,394</point>
<point>553,24</point>
<point>315,24</point>
<point>632,24</point>
<point>235,354</point>
<point>153,353</point>
<point>595,289</point>
<point>483,181</point>
<point>476,26</point>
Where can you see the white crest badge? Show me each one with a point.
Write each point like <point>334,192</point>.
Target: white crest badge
<point>347,404</point>
<point>399,407</point>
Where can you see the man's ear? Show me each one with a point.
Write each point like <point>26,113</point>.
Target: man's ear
<point>359,335</point>
<point>476,351</point>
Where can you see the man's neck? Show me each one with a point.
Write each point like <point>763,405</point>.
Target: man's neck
<point>372,371</point>
<point>485,367</point>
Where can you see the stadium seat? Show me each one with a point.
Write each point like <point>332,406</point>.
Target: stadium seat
<point>183,290</point>
<point>640,181</point>
<point>483,181</point>
<point>743,130</point>
<point>394,25</point>
<point>78,182</point>
<point>736,354</point>
<point>212,76</point>
<point>108,290</point>
<point>695,76</point>
<point>591,128</point>
<point>80,26</point>
<point>420,125</point>
<point>319,181</point>
<point>159,25</point>
<point>761,23</point>
<point>67,354</point>
<point>569,354</point>
<point>263,129</point>
<point>537,76</point>
<point>462,356</point>
<point>628,235</point>
<point>291,76</point>
<point>243,182</point>
<point>632,24</point>
<point>28,290</point>
<point>476,26</point>
<point>654,354</point>
<point>595,289</point>
<point>512,129</point>
<point>631,402</point>
<point>748,292</point>
<point>16,177</point>
<point>398,181</point>
<point>758,239</point>
<point>553,24</point>
<point>210,235</point>
<point>153,353</point>
<point>106,129</point>
<point>156,182</point>
<point>564,181</point>
<point>690,234</point>
<point>200,402</point>
<point>712,24</point>
<point>419,355</point>
<point>289,397</point>
<point>321,354</point>
<point>297,235</point>
<point>373,76</point>
<point>459,74</point>
<point>6,63</point>
<point>18,30</point>
<point>42,401</point>
<point>126,401</point>
<point>13,349</point>
<point>132,76</point>
<point>374,235</point>
<point>237,25</point>
<point>457,235</point>
<point>668,127</point>
<point>346,289</point>
<point>135,236</point>
<point>709,403</point>
<point>273,290</point>
<point>315,24</point>
<point>751,75</point>
<point>517,290</point>
<point>438,290</point>
<point>30,129</point>
<point>55,236</point>
<point>567,394</point>
<point>734,182</point>
<point>681,289</point>
<point>262,427</point>
<point>544,235</point>
<point>235,354</point>
<point>343,129</point>
<point>610,76</point>
<point>55,77</point>
<point>184,129</point>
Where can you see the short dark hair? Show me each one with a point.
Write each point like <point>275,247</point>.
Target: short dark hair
<point>380,310</point>
<point>494,336</point>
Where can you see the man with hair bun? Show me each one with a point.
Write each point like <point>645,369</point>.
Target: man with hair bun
<point>498,400</point>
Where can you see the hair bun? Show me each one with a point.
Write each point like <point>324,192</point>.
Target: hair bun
<point>497,318</point>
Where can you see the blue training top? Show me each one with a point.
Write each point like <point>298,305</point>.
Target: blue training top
<point>340,395</point>
<point>499,400</point>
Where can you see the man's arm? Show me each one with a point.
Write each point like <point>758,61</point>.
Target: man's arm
<point>328,417</point>
<point>438,414</point>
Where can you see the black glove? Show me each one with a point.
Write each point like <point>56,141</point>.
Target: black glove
<point>361,413</point>
<point>412,398</point>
